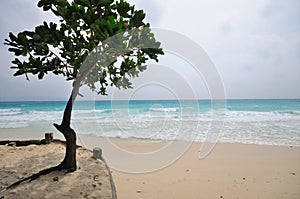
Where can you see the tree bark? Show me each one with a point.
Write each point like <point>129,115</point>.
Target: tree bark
<point>69,162</point>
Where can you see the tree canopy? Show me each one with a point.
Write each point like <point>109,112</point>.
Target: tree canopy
<point>84,28</point>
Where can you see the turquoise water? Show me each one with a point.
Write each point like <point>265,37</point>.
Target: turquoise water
<point>272,122</point>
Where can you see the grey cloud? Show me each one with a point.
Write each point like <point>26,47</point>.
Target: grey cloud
<point>282,16</point>
<point>266,67</point>
<point>261,59</point>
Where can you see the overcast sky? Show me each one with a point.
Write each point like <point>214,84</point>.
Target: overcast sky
<point>254,44</point>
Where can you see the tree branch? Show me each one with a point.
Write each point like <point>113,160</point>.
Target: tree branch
<point>64,62</point>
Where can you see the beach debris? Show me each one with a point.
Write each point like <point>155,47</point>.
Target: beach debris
<point>20,177</point>
<point>96,178</point>
<point>244,178</point>
<point>22,142</point>
<point>293,173</point>
<point>187,170</point>
<point>55,179</point>
<point>139,191</point>
<point>97,153</point>
<point>12,144</point>
<point>221,196</point>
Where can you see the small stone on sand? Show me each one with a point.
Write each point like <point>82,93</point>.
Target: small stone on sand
<point>96,178</point>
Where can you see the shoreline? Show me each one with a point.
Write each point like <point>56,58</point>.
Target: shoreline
<point>15,134</point>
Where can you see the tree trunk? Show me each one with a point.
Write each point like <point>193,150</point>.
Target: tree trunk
<point>69,162</point>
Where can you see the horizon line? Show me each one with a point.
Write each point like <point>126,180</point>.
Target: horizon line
<point>187,99</point>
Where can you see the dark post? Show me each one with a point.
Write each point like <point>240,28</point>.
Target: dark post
<point>48,138</point>
<point>97,153</point>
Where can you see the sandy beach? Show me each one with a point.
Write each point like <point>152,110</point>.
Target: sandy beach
<point>229,171</point>
<point>90,180</point>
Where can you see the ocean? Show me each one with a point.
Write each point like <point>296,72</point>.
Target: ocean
<point>269,122</point>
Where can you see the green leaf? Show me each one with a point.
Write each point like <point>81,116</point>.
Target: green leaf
<point>83,3</point>
<point>12,37</point>
<point>17,52</point>
<point>62,3</point>
<point>41,75</point>
<point>137,19</point>
<point>123,8</point>
<point>36,37</point>
<point>42,3</point>
<point>100,3</point>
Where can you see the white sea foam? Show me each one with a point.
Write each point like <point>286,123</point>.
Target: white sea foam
<point>164,109</point>
<point>249,116</point>
<point>171,123</point>
<point>10,111</point>
<point>19,119</point>
<point>92,111</point>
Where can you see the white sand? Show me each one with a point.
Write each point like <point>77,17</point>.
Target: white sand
<point>91,180</point>
<point>230,171</point>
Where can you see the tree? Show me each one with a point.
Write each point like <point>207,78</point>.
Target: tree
<point>84,30</point>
